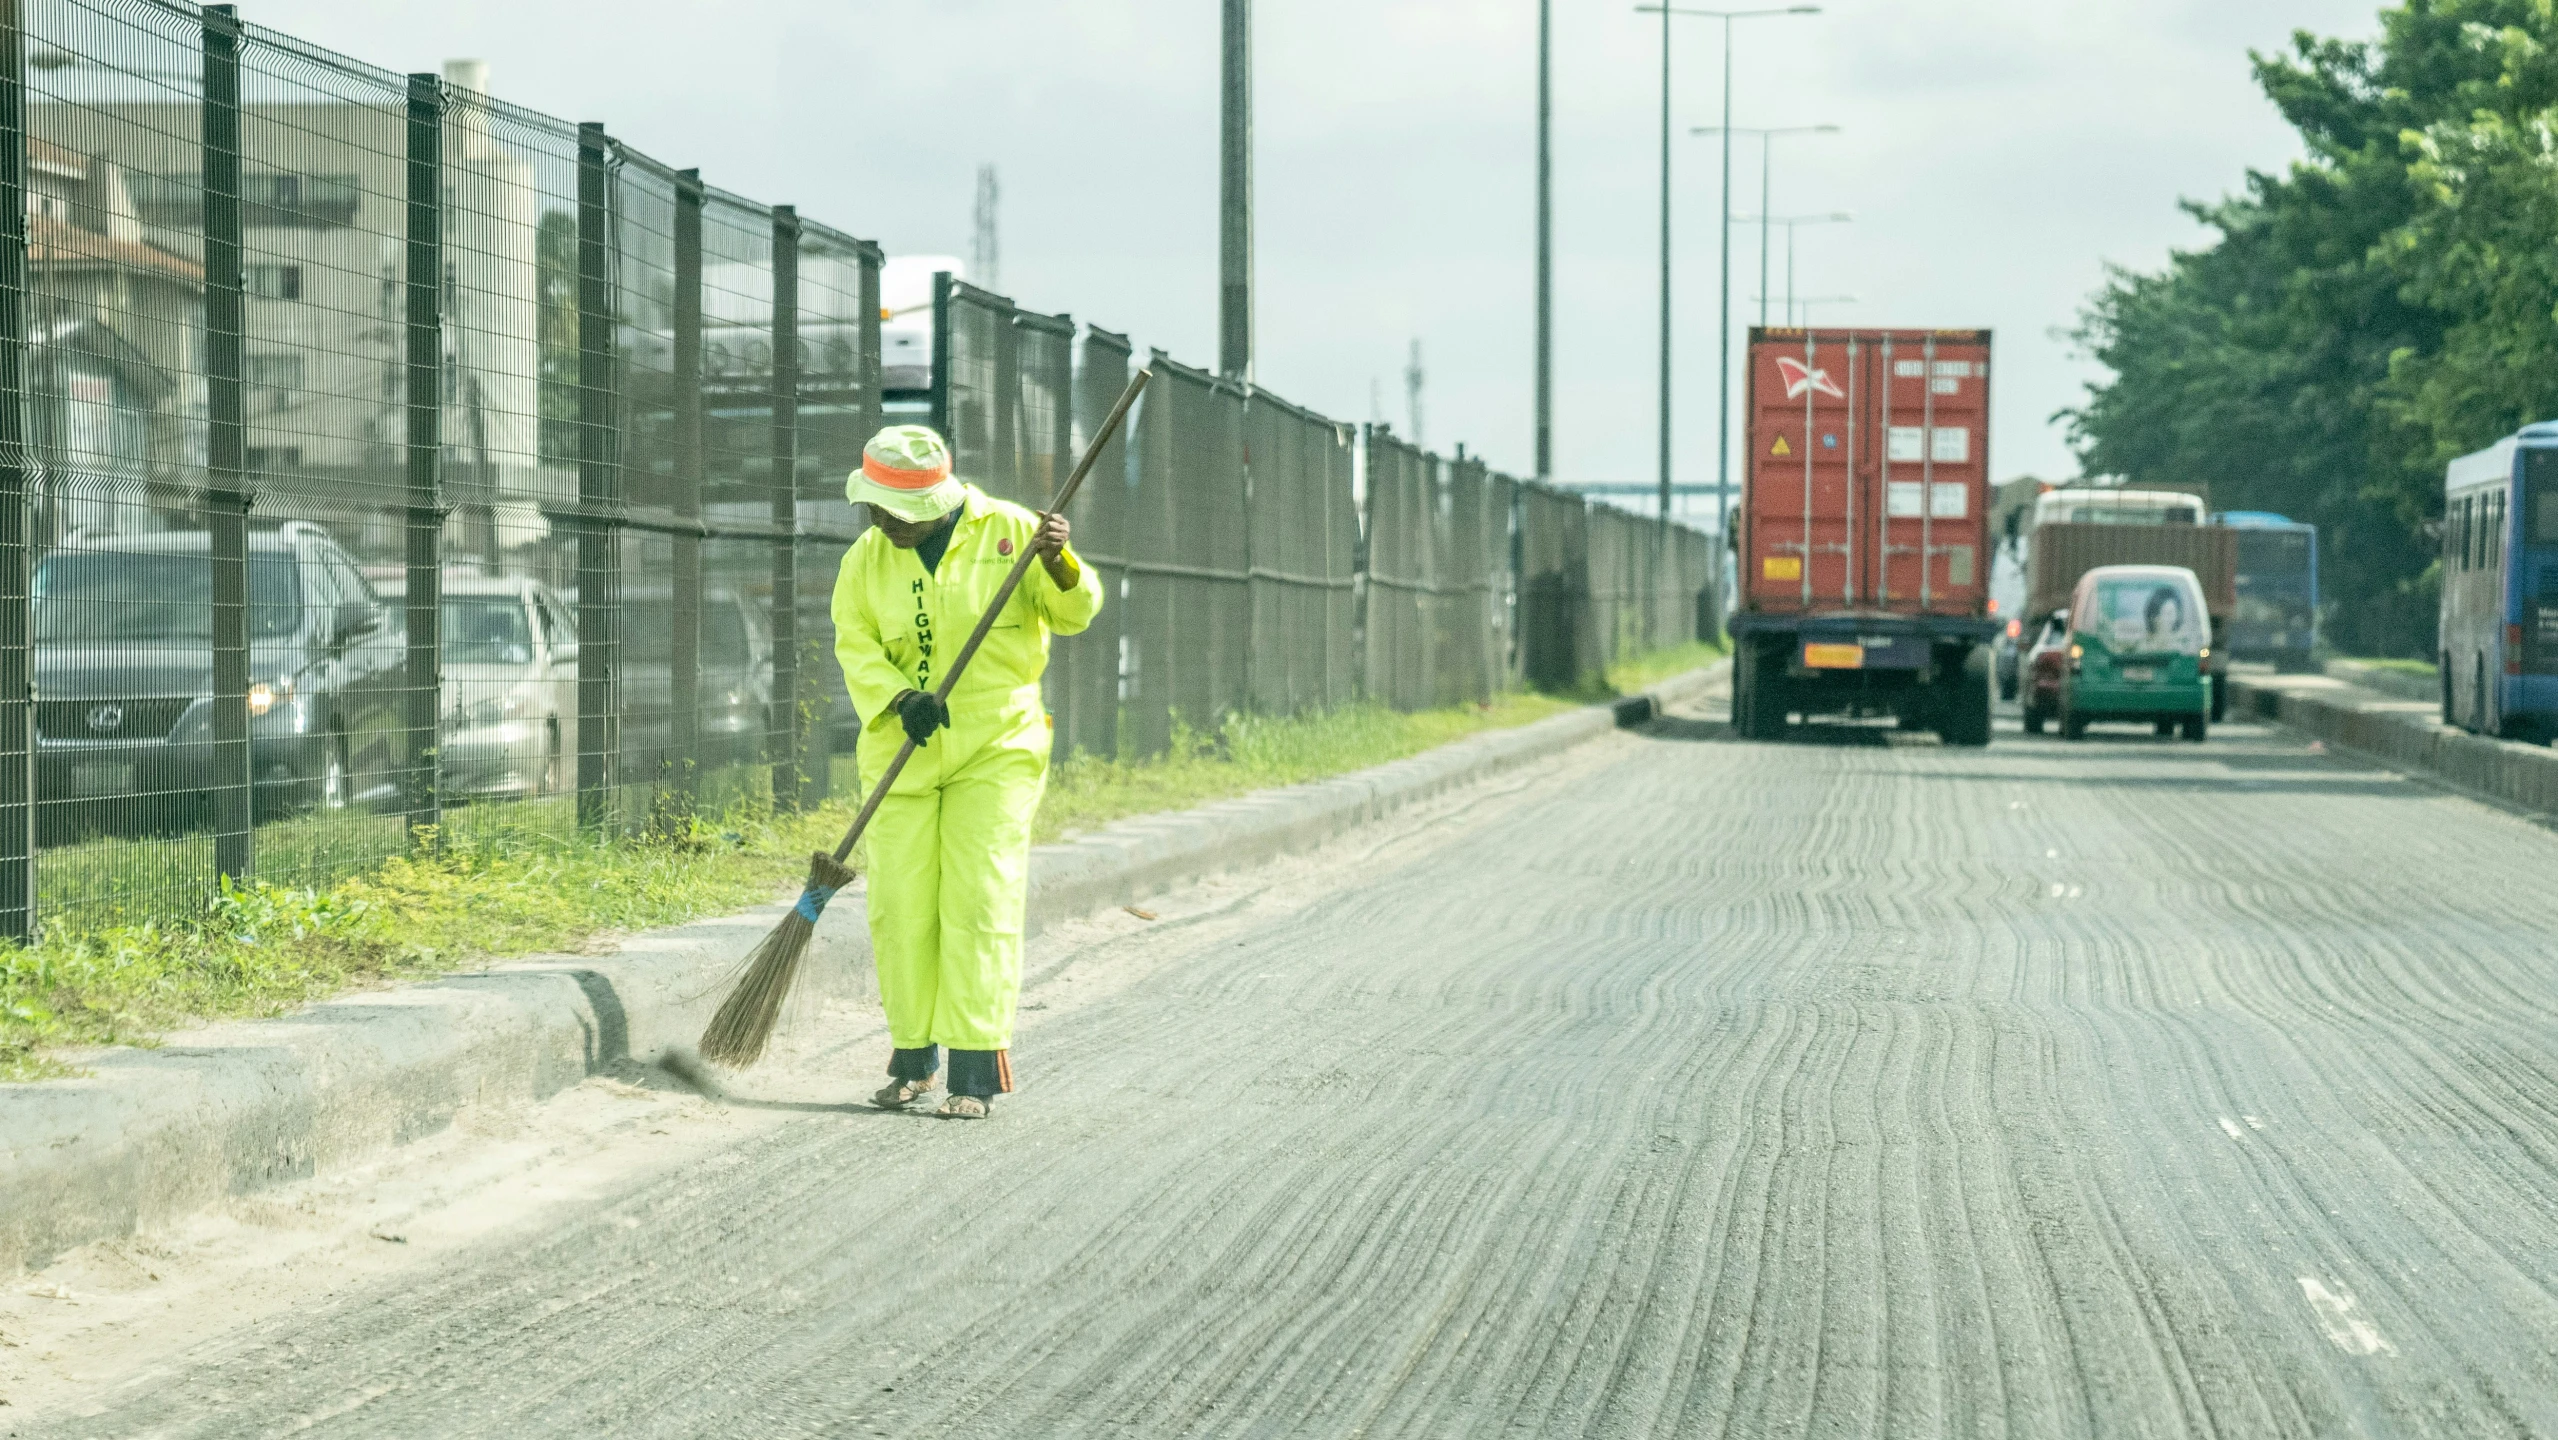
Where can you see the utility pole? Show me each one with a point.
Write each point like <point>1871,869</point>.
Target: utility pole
<point>986,264</point>
<point>1545,239</point>
<point>1664,458</point>
<point>1412,378</point>
<point>1234,199</point>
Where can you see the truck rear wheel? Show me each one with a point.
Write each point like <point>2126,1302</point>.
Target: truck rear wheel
<point>1745,665</point>
<point>1963,714</point>
<point>1761,713</point>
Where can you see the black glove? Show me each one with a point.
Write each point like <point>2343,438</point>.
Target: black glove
<point>922,712</point>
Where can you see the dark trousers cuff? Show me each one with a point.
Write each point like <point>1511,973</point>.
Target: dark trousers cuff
<point>981,1073</point>
<point>916,1064</point>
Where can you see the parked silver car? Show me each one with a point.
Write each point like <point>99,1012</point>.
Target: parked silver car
<point>510,688</point>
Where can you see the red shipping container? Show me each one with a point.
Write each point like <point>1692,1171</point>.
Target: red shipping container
<point>1867,489</point>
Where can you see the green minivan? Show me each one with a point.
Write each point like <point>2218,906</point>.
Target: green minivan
<point>2138,643</point>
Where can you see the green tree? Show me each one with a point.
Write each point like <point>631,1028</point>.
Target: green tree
<point>2354,321</point>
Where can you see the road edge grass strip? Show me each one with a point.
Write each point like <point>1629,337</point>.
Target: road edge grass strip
<point>486,890</point>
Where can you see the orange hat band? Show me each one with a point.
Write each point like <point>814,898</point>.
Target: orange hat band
<point>893,478</point>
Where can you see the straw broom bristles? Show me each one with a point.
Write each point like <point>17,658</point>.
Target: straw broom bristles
<point>744,1025</point>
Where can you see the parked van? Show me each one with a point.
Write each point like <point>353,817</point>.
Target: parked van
<point>2139,642</point>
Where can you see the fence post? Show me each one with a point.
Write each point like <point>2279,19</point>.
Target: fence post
<point>17,637</point>
<point>227,497</point>
<point>598,523</point>
<point>940,418</point>
<point>788,724</point>
<point>684,661</point>
<point>424,594</point>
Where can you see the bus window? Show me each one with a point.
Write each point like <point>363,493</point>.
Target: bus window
<point>2540,497</point>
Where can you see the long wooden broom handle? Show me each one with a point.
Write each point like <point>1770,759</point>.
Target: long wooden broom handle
<point>986,622</point>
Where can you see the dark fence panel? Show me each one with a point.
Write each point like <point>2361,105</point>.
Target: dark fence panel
<point>1302,569</point>
<point>833,411</point>
<point>1083,670</point>
<point>1188,559</point>
<point>1402,573</point>
<point>1558,631</point>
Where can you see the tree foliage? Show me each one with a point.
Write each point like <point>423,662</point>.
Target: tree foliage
<point>2386,303</point>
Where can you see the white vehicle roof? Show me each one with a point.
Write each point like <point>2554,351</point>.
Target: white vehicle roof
<point>906,281</point>
<point>393,587</point>
<point>2119,507</point>
<point>2488,468</point>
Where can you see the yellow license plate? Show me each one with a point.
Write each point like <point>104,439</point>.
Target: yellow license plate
<point>1833,657</point>
<point>1781,567</point>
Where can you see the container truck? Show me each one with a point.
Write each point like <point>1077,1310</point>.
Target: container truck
<point>1863,550</point>
<point>2080,528</point>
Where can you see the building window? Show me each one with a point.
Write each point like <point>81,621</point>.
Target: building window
<point>269,458</point>
<point>275,282</point>
<point>271,380</point>
<point>269,198</point>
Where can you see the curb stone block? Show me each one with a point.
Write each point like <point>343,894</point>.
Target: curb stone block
<point>2406,734</point>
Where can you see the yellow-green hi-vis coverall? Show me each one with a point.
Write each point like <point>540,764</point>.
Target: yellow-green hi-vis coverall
<point>949,849</point>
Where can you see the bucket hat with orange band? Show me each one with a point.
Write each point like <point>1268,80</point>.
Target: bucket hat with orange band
<point>906,472</point>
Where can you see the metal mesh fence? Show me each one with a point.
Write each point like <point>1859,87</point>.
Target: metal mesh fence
<point>373,451</point>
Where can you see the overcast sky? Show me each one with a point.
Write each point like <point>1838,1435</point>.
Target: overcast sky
<point>1996,154</point>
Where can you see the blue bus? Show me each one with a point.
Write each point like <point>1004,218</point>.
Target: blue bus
<point>2500,587</point>
<point>2276,622</point>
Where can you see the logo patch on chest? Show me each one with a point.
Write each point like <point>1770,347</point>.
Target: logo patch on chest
<point>1003,547</point>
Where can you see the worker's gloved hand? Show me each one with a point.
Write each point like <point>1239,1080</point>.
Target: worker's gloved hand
<point>922,712</point>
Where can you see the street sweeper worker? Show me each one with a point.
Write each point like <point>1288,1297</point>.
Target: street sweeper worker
<point>949,850</point>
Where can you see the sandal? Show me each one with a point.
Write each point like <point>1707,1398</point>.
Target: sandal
<point>965,1107</point>
<point>901,1093</point>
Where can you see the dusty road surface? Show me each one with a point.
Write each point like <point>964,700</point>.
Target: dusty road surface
<point>1694,1088</point>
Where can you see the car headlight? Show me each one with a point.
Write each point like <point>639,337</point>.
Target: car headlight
<point>265,696</point>
<point>496,710</point>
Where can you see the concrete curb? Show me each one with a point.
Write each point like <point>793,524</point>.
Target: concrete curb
<point>2396,684</point>
<point>2404,734</point>
<point>153,1135</point>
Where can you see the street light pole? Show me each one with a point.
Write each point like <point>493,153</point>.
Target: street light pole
<point>1234,196</point>
<point>1767,171</point>
<point>1545,239</point>
<point>1809,301</point>
<point>1723,397</point>
<point>1664,456</point>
